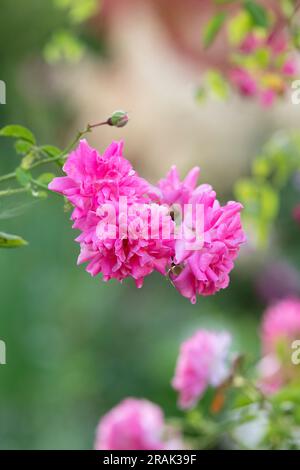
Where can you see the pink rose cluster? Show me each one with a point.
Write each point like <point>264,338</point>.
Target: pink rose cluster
<point>116,242</point>
<point>267,81</point>
<point>136,424</point>
<point>280,328</point>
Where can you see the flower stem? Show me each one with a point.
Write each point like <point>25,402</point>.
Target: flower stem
<point>61,156</point>
<point>10,192</point>
<point>44,161</point>
<point>9,176</point>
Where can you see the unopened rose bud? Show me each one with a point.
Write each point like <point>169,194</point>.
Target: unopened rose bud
<point>118,119</point>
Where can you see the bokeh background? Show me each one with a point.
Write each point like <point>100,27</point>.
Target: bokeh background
<point>77,346</point>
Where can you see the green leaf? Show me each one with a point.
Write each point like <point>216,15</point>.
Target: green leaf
<point>238,27</point>
<point>217,84</point>
<point>257,13</point>
<point>81,11</point>
<point>23,177</point>
<point>78,10</point>
<point>269,202</point>
<point>51,150</point>
<point>63,45</point>
<point>212,28</point>
<point>38,193</point>
<point>18,132</point>
<point>288,394</point>
<point>261,206</point>
<point>296,37</point>
<point>262,57</point>
<point>27,161</point>
<point>287,7</point>
<point>23,146</point>
<point>8,240</point>
<point>45,178</point>
<point>243,400</point>
<point>261,167</point>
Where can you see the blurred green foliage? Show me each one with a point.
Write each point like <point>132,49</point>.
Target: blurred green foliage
<point>75,345</point>
<point>272,170</point>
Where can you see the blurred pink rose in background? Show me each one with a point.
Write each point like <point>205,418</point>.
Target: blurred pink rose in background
<point>135,424</point>
<point>296,213</point>
<point>202,362</point>
<point>280,327</point>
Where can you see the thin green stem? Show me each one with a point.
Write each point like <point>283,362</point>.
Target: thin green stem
<point>9,176</point>
<point>44,161</point>
<point>10,192</point>
<point>80,134</point>
<point>40,185</point>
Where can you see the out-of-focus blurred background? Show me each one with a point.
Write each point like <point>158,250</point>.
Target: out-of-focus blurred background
<point>75,345</point>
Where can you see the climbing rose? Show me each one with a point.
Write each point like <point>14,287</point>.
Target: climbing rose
<point>205,270</point>
<point>94,185</point>
<point>134,424</point>
<point>280,327</point>
<point>202,362</point>
<point>121,242</point>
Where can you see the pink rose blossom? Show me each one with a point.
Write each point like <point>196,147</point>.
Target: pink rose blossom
<point>203,270</point>
<point>281,324</point>
<point>267,97</point>
<point>289,68</point>
<point>250,43</point>
<point>296,213</point>
<point>93,179</point>
<point>280,327</point>
<point>116,257</point>
<point>95,185</point>
<point>202,362</point>
<point>277,42</point>
<point>243,80</point>
<point>134,425</point>
<point>270,374</point>
<point>175,191</point>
